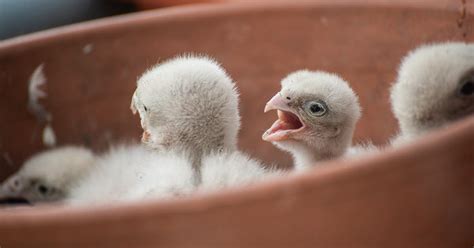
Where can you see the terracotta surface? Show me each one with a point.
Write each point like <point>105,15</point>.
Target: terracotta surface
<point>419,196</point>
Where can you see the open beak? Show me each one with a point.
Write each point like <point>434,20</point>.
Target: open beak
<point>288,122</point>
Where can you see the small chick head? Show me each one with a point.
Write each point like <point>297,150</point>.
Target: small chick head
<point>48,175</point>
<point>316,110</point>
<point>435,86</point>
<point>188,102</point>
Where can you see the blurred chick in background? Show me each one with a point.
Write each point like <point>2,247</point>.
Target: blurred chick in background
<point>435,86</point>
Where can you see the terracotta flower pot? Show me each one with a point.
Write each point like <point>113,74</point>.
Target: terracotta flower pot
<point>420,195</point>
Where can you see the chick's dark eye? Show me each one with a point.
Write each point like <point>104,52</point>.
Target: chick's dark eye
<point>316,108</point>
<point>467,88</point>
<point>145,108</point>
<point>42,189</point>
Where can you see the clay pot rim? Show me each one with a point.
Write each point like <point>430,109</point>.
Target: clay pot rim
<point>110,24</point>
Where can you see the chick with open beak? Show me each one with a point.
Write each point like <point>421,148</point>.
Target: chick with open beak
<point>317,113</point>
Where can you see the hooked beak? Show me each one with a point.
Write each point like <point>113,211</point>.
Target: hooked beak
<point>277,102</point>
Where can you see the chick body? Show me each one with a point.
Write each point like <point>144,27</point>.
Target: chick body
<point>131,172</point>
<point>190,104</point>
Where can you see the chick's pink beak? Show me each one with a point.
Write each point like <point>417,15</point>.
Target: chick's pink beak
<point>277,102</point>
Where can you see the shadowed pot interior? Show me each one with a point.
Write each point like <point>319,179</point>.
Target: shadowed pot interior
<point>91,71</point>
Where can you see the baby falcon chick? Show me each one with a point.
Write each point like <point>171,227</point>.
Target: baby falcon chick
<point>48,176</point>
<point>435,86</point>
<point>317,113</point>
<point>188,103</point>
<point>189,112</point>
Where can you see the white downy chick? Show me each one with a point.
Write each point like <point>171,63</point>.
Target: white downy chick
<point>317,114</point>
<point>435,86</point>
<point>131,172</point>
<point>188,103</point>
<point>189,109</point>
<point>49,175</point>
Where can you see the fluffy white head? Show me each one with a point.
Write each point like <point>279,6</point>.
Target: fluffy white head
<point>435,86</point>
<point>188,102</point>
<point>48,176</point>
<point>317,113</point>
